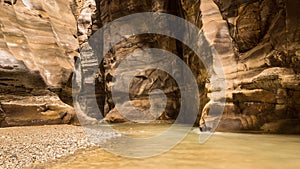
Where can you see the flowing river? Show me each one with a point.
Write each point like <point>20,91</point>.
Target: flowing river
<point>221,151</point>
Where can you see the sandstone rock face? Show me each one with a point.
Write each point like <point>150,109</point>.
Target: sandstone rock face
<point>2,116</point>
<point>257,42</point>
<point>143,82</point>
<point>266,81</point>
<point>37,46</point>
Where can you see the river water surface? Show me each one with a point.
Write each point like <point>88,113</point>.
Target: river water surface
<point>221,151</point>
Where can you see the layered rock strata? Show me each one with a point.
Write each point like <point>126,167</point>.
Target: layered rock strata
<point>37,46</point>
<point>257,42</point>
<point>266,81</point>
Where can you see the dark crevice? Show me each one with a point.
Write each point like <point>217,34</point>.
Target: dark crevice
<point>10,2</point>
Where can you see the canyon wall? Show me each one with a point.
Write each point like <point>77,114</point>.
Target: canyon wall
<point>257,42</point>
<point>38,43</point>
<point>265,37</point>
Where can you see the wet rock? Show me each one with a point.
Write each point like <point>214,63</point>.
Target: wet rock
<point>282,126</point>
<point>115,117</point>
<point>230,125</point>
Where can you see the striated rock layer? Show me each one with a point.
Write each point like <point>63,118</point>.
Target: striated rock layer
<point>265,37</point>
<point>258,45</point>
<point>37,46</point>
<point>257,42</point>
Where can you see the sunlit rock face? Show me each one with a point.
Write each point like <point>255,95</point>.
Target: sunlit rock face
<point>37,46</point>
<point>257,42</point>
<point>265,37</point>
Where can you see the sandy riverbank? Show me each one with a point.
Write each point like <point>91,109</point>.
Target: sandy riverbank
<point>21,147</point>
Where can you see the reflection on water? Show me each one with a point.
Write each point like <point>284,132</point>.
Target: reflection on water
<point>222,151</point>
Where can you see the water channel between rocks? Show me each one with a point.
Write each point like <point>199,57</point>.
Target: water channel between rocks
<point>222,150</point>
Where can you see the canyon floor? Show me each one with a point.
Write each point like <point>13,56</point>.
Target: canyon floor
<point>22,147</point>
<point>67,146</point>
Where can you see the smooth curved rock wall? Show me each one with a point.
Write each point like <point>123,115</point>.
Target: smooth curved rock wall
<point>257,41</point>
<point>37,48</point>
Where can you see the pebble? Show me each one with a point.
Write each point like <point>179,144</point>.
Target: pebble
<point>21,147</point>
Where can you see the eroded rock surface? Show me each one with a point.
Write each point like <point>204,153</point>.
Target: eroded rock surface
<point>266,81</point>
<point>37,46</point>
<point>257,42</point>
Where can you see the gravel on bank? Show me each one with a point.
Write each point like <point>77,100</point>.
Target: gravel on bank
<point>21,147</point>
